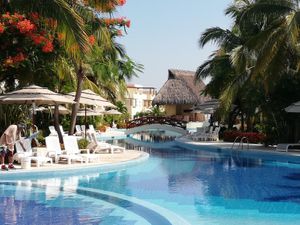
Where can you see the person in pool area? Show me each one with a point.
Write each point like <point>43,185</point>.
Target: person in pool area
<point>7,141</point>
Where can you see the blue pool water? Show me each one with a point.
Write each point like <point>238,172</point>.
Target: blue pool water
<point>200,186</point>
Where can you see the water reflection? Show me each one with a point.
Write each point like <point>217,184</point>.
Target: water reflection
<point>197,184</point>
<point>156,136</point>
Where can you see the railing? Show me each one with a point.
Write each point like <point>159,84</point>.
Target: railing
<point>241,143</point>
<point>156,120</point>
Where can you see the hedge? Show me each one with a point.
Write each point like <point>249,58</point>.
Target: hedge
<point>253,137</point>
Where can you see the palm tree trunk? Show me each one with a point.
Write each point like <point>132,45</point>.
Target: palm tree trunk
<point>75,106</point>
<point>56,124</point>
<point>242,121</point>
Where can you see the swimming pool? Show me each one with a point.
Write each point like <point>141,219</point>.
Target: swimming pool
<point>202,187</point>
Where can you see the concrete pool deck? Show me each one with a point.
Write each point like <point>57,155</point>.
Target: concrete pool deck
<point>104,159</point>
<point>227,146</point>
<point>131,156</point>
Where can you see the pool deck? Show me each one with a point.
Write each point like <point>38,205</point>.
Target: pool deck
<point>129,156</point>
<point>260,148</point>
<point>103,159</point>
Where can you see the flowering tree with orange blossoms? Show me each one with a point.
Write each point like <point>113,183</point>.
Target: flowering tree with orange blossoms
<point>79,35</point>
<point>26,43</point>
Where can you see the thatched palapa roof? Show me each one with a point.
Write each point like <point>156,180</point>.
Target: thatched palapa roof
<point>179,89</point>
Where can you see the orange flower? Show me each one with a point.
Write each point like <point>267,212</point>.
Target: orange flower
<point>108,21</point>
<point>34,15</point>
<point>25,26</point>
<point>18,16</point>
<point>127,23</point>
<point>8,61</point>
<point>120,20</point>
<point>61,36</point>
<point>2,28</point>
<point>92,39</point>
<point>48,47</point>
<point>19,57</point>
<point>38,39</point>
<point>119,33</point>
<point>6,15</point>
<point>122,2</point>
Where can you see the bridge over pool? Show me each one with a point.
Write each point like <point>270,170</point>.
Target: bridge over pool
<point>156,123</point>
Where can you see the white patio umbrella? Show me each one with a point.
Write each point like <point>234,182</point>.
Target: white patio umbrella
<point>34,95</point>
<point>207,107</point>
<point>61,110</point>
<point>294,108</point>
<point>89,112</point>
<point>112,112</point>
<point>88,97</point>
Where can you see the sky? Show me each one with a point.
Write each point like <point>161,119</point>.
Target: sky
<point>164,35</point>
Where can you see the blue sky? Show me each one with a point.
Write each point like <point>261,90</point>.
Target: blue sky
<point>164,34</point>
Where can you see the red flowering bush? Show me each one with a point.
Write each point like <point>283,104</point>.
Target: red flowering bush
<point>23,37</point>
<point>114,24</point>
<point>92,39</point>
<point>253,137</point>
<point>108,6</point>
<point>122,2</point>
<point>122,21</point>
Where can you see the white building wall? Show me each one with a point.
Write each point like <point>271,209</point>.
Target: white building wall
<point>135,99</point>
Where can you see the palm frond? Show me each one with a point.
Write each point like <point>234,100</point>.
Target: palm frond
<point>268,52</point>
<point>65,71</point>
<point>218,36</point>
<point>267,9</point>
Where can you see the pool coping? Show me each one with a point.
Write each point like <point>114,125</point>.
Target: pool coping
<point>75,169</point>
<point>255,150</point>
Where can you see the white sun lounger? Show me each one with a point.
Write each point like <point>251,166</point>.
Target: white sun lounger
<point>54,149</point>
<point>52,131</point>
<point>71,147</point>
<point>103,146</point>
<point>27,153</point>
<point>78,132</point>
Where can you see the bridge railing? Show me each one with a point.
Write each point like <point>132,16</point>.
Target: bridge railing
<point>156,119</point>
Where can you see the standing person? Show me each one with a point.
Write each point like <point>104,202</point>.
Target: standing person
<point>7,141</point>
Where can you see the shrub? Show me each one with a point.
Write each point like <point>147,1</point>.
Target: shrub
<point>102,128</point>
<point>83,143</point>
<point>253,137</point>
<point>40,137</point>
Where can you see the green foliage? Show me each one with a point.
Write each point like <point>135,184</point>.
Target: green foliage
<point>83,143</point>
<point>13,114</point>
<point>255,72</point>
<point>153,111</point>
<point>41,138</point>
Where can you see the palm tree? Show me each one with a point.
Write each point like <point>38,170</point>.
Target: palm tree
<point>260,51</point>
<point>231,65</point>
<point>276,44</point>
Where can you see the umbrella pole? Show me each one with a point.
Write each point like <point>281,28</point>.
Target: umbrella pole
<point>33,112</point>
<point>85,122</point>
